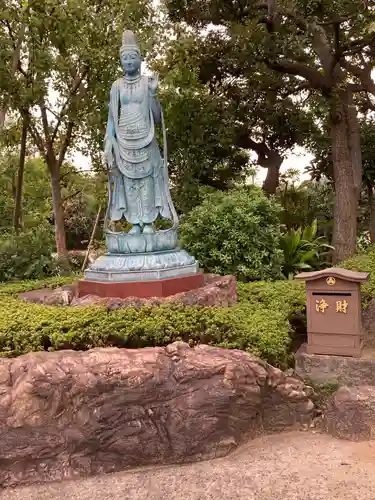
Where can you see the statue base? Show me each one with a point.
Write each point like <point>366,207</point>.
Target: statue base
<point>142,275</point>
<point>140,289</point>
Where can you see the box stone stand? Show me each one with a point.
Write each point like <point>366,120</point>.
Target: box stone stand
<point>334,325</point>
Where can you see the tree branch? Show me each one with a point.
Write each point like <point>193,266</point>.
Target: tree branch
<point>43,111</point>
<point>315,79</point>
<point>65,144</point>
<point>363,74</point>
<point>70,196</point>
<point>77,83</point>
<point>16,54</point>
<point>35,135</point>
<point>299,21</point>
<point>320,43</point>
<point>356,46</point>
<point>296,90</point>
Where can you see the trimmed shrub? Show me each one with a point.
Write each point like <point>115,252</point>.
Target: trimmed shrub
<point>258,323</point>
<point>236,233</point>
<point>16,287</point>
<point>364,262</point>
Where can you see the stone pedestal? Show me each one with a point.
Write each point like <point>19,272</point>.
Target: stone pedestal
<point>142,275</point>
<point>143,289</point>
<point>342,370</point>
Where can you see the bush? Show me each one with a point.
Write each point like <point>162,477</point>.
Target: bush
<point>27,254</point>
<point>364,262</point>
<point>304,250</point>
<point>236,233</point>
<point>259,323</point>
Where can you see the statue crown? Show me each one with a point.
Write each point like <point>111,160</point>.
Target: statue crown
<point>129,42</point>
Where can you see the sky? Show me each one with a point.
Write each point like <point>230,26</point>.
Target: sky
<point>297,159</point>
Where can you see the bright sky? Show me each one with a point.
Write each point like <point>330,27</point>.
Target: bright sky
<point>298,159</point>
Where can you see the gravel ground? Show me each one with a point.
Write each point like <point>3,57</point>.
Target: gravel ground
<point>289,466</point>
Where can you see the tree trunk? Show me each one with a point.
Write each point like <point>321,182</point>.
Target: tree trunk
<point>58,213</point>
<point>371,209</point>
<point>347,169</point>
<point>21,168</point>
<point>272,163</point>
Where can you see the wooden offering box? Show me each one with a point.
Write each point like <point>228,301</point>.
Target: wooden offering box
<point>334,324</point>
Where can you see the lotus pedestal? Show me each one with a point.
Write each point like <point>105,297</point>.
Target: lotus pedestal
<point>127,272</point>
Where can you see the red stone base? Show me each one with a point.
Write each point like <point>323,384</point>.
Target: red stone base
<point>141,289</point>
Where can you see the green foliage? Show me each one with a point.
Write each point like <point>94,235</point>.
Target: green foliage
<point>258,323</point>
<point>69,60</point>
<point>322,392</point>
<point>229,103</point>
<point>81,192</point>
<point>236,233</point>
<point>303,250</point>
<point>304,202</point>
<point>16,287</point>
<point>364,262</point>
<point>26,255</point>
<point>201,129</point>
<point>37,204</point>
<point>363,242</point>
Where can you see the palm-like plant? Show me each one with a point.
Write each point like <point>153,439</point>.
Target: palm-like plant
<point>303,250</point>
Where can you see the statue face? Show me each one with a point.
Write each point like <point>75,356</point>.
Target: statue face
<point>131,63</point>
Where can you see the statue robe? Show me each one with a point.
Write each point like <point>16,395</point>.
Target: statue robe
<point>138,181</point>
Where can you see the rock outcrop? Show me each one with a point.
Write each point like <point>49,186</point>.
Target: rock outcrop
<point>350,413</point>
<point>219,291</point>
<point>70,414</point>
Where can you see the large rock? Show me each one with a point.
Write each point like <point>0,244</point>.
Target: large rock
<point>69,414</point>
<point>325,369</point>
<point>368,322</point>
<point>350,413</point>
<point>219,291</point>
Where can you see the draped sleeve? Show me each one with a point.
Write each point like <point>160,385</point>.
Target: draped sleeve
<point>113,110</point>
<point>155,105</point>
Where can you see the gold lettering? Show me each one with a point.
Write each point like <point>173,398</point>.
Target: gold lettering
<point>321,305</point>
<point>341,306</point>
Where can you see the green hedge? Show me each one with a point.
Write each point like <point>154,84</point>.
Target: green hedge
<point>364,262</point>
<point>258,323</point>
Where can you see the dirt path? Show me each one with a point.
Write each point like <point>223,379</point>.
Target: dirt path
<point>290,466</point>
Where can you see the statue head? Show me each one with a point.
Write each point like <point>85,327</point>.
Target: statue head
<point>130,54</point>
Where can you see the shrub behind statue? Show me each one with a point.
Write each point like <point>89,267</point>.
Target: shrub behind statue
<point>236,233</point>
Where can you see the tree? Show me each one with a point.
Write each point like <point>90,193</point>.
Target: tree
<point>256,110</point>
<point>81,192</point>
<point>15,54</point>
<point>67,63</point>
<point>319,43</point>
<point>200,132</point>
<point>17,219</point>
<point>306,202</point>
<point>368,156</point>
<point>37,205</point>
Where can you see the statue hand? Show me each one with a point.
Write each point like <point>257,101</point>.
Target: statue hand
<point>153,83</point>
